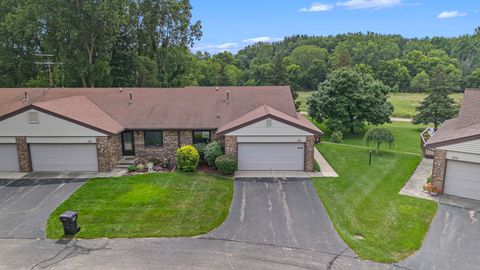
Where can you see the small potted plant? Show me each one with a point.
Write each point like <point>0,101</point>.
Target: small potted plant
<point>431,189</point>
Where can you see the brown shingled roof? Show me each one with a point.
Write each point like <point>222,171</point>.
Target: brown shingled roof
<point>263,112</point>
<point>465,127</point>
<point>152,108</point>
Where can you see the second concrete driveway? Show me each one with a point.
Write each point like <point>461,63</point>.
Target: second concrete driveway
<point>280,212</point>
<point>25,204</point>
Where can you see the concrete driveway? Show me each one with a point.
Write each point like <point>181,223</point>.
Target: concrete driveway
<point>25,204</point>
<point>280,212</point>
<point>453,241</point>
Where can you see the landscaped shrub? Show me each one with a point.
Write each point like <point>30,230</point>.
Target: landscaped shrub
<point>212,151</point>
<point>201,149</point>
<point>140,167</point>
<point>132,168</point>
<point>187,158</point>
<point>336,137</point>
<point>226,164</point>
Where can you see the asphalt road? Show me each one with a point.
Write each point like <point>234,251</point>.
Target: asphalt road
<point>25,204</point>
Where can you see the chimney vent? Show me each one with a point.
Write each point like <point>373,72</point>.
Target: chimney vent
<point>216,88</point>
<point>228,96</point>
<point>218,115</point>
<point>121,89</point>
<point>131,97</point>
<point>25,98</point>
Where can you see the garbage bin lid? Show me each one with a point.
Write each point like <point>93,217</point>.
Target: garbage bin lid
<point>69,214</point>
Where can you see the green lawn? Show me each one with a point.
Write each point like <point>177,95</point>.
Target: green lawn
<point>404,103</point>
<point>150,205</point>
<point>364,204</point>
<point>406,136</point>
<point>365,207</point>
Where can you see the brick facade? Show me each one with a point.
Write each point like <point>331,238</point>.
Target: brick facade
<point>309,153</point>
<point>186,137</point>
<point>167,151</point>
<point>439,169</point>
<point>230,143</point>
<point>109,152</point>
<point>23,154</point>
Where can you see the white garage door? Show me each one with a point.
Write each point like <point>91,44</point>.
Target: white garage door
<point>271,156</point>
<point>463,179</point>
<point>64,157</point>
<point>8,158</point>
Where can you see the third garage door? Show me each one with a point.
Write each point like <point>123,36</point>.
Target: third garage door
<point>463,179</point>
<point>64,157</point>
<point>271,156</point>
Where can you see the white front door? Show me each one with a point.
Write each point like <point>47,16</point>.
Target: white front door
<point>64,157</point>
<point>271,156</point>
<point>8,158</point>
<point>463,179</point>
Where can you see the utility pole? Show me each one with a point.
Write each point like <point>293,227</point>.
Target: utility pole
<point>49,63</point>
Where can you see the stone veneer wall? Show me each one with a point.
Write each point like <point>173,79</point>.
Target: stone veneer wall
<point>230,143</point>
<point>439,169</point>
<point>186,137</point>
<point>167,151</point>
<point>23,154</point>
<point>109,152</point>
<point>309,153</point>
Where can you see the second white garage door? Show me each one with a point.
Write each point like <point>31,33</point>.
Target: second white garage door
<point>271,156</point>
<point>64,157</point>
<point>8,158</point>
<point>463,179</point>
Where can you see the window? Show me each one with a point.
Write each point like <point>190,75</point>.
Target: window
<point>153,138</point>
<point>201,136</point>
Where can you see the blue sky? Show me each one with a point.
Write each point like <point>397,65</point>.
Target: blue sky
<point>230,25</point>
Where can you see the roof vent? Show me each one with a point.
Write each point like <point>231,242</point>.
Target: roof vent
<point>25,98</point>
<point>121,89</point>
<point>131,97</point>
<point>218,115</point>
<point>228,96</point>
<point>33,118</point>
<point>216,88</point>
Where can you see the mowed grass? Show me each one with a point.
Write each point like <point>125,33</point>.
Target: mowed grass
<point>149,205</point>
<point>407,136</point>
<point>365,207</point>
<point>404,103</point>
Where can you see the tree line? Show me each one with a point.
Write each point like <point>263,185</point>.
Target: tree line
<point>147,43</point>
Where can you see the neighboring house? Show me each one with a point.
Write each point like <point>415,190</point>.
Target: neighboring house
<point>90,129</point>
<point>456,166</point>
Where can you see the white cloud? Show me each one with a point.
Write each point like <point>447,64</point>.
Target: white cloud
<point>317,7</point>
<point>216,48</point>
<point>451,14</point>
<point>369,4</point>
<point>261,39</point>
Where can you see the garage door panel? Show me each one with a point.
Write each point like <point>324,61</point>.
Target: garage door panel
<point>64,157</point>
<point>274,156</point>
<point>463,179</point>
<point>8,158</point>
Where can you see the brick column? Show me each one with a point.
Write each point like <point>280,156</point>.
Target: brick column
<point>23,154</point>
<point>439,168</point>
<point>109,152</point>
<point>309,153</point>
<point>231,145</point>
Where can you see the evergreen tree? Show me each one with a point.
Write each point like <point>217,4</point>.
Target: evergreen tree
<point>437,106</point>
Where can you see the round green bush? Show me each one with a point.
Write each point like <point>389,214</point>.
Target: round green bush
<point>201,149</point>
<point>187,158</point>
<point>336,137</point>
<point>212,151</point>
<point>226,164</point>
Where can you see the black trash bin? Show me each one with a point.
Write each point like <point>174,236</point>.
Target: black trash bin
<point>69,221</point>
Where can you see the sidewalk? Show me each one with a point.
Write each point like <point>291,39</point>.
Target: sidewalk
<point>62,175</point>
<point>414,186</point>
<point>325,168</point>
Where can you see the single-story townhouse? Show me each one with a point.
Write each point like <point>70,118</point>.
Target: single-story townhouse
<point>456,166</point>
<point>91,129</point>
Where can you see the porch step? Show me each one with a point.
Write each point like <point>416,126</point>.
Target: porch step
<point>126,161</point>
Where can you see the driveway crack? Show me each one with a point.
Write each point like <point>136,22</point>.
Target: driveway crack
<point>332,261</point>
